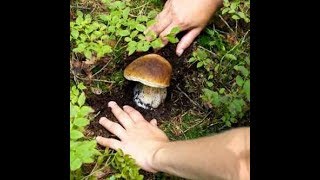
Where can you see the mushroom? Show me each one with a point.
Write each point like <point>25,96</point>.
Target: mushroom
<point>153,72</point>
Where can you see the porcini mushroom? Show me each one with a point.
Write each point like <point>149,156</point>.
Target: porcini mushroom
<point>153,72</point>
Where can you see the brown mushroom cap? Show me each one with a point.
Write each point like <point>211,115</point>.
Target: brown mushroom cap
<point>151,70</point>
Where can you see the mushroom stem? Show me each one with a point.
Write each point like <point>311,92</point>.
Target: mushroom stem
<point>148,97</point>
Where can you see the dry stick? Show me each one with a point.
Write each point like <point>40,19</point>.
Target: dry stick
<point>197,123</point>
<point>226,23</point>
<point>101,68</point>
<point>214,54</point>
<point>196,104</point>
<point>80,7</point>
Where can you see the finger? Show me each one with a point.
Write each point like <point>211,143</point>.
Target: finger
<point>135,115</point>
<point>166,32</point>
<point>122,116</point>
<point>187,40</point>
<point>113,127</point>
<point>162,21</point>
<point>109,142</point>
<point>154,122</point>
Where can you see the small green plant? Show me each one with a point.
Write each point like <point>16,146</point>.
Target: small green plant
<point>238,9</point>
<point>230,103</point>
<point>99,36</point>
<point>89,37</point>
<point>81,150</point>
<point>126,167</point>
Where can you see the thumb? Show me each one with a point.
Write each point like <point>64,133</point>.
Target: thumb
<point>186,40</point>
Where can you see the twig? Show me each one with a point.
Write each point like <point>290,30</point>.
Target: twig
<point>101,68</point>
<point>197,123</point>
<point>226,23</point>
<point>214,54</point>
<point>193,102</point>
<point>80,7</point>
<point>99,80</point>
<point>242,41</point>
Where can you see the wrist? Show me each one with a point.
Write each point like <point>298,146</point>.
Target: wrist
<point>157,157</point>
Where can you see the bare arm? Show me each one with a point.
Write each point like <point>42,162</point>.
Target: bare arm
<point>222,156</point>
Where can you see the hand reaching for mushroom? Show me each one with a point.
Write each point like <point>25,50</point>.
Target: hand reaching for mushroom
<point>138,137</point>
<point>188,15</point>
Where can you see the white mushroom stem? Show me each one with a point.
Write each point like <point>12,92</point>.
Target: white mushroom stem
<point>149,97</point>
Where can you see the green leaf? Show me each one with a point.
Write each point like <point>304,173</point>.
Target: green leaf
<point>192,59</point>
<point>131,50</point>
<point>235,17</point>
<point>246,88</point>
<point>152,14</point>
<point>239,80</point>
<point>172,39</point>
<point>141,37</point>
<point>243,70</point>
<point>175,31</point>
<point>221,91</point>
<point>199,64</point>
<point>75,91</point>
<point>234,5</point>
<point>157,43</point>
<point>105,17</point>
<point>88,18</point>
<point>75,134</point>
<point>151,22</point>
<point>127,39</point>
<point>79,14</point>
<point>75,164</point>
<point>85,110</point>
<point>228,123</point>
<point>140,27</point>
<point>230,57</point>
<point>75,34</point>
<point>81,86</point>
<point>106,49</point>
<point>81,99</point>
<point>79,20</point>
<point>241,15</point>
<point>209,84</point>
<point>142,18</point>
<point>88,54</point>
<point>74,110</point>
<point>125,13</point>
<point>133,34</point>
<point>81,122</point>
<point>225,10</point>
<point>124,32</point>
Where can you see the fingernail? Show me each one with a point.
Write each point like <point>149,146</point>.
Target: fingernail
<point>111,103</point>
<point>101,120</point>
<point>98,138</point>
<point>179,52</point>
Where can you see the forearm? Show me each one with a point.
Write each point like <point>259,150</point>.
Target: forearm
<point>222,156</point>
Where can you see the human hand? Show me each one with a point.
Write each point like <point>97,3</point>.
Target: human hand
<point>188,15</point>
<point>138,137</point>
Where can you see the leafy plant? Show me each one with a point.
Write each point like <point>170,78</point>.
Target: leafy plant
<point>126,167</point>
<point>89,37</point>
<point>81,150</point>
<point>97,37</point>
<point>238,9</point>
<point>228,104</point>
